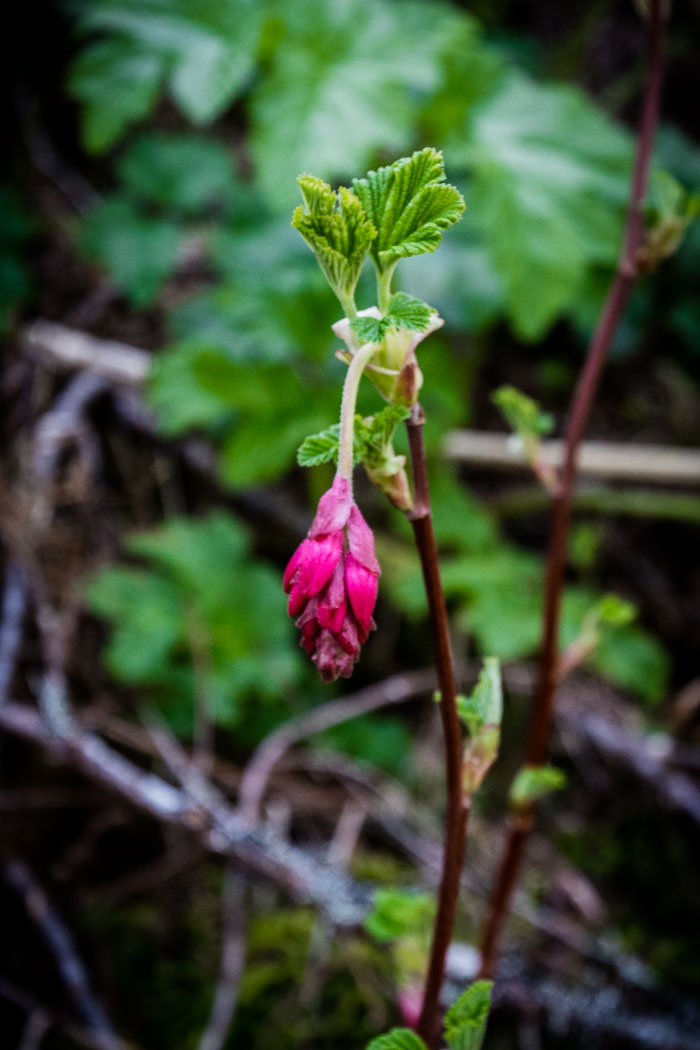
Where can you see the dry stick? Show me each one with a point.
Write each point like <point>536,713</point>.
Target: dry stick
<point>582,401</point>
<point>257,772</point>
<point>232,962</point>
<point>458,804</point>
<point>68,961</point>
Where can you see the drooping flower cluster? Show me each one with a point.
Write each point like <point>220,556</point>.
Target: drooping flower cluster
<point>332,583</point>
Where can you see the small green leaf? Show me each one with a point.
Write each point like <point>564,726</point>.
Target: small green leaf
<point>534,782</point>
<point>485,705</point>
<point>319,448</point>
<point>397,1039</point>
<point>410,205</point>
<point>465,1021</point>
<point>405,311</point>
<point>338,231</point>
<point>522,414</point>
<point>369,329</point>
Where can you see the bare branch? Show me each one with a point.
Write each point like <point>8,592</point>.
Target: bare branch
<point>259,850</point>
<point>232,962</point>
<point>68,961</point>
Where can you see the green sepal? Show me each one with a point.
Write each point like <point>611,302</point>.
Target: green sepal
<point>465,1021</point>
<point>532,783</point>
<point>336,227</point>
<point>410,205</point>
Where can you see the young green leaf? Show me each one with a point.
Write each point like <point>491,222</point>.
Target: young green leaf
<point>522,414</point>
<point>534,782</point>
<point>338,231</point>
<point>410,205</point>
<point>465,1021</point>
<point>405,311</point>
<point>397,1039</point>
<point>485,705</point>
<point>319,448</point>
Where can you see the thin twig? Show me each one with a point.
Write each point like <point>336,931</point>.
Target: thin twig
<point>457,803</point>
<point>68,961</point>
<point>259,850</point>
<point>392,690</point>
<point>582,401</point>
<point>232,962</point>
<point>14,603</point>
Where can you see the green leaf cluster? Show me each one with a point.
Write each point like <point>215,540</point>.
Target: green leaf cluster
<point>181,627</point>
<point>464,1026</point>
<point>372,437</point>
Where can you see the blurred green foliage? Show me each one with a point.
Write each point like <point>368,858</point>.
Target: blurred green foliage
<point>16,230</point>
<point>198,620</point>
<point>249,362</point>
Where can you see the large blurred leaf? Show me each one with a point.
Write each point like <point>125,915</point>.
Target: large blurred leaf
<point>199,618</point>
<point>139,251</point>
<point>178,171</point>
<point>549,182</point>
<point>205,49</point>
<point>346,80</point>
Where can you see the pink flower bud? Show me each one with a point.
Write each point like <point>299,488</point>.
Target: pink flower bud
<point>331,581</point>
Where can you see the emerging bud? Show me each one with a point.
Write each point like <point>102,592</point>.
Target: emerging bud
<point>394,368</point>
<point>332,583</point>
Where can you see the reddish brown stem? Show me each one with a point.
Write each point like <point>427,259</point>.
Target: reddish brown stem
<point>457,803</point>
<point>562,498</point>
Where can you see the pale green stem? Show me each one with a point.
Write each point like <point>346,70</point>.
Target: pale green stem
<point>384,279</point>
<point>348,304</point>
<point>347,409</point>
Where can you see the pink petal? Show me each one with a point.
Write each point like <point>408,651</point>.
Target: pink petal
<point>361,585</point>
<point>333,509</point>
<point>361,541</point>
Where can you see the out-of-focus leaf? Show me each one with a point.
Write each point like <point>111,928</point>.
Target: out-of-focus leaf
<point>183,172</point>
<point>199,618</point>
<point>138,251</point>
<point>549,182</point>
<point>346,81</point>
<point>118,82</point>
<point>396,913</point>
<point>204,49</point>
